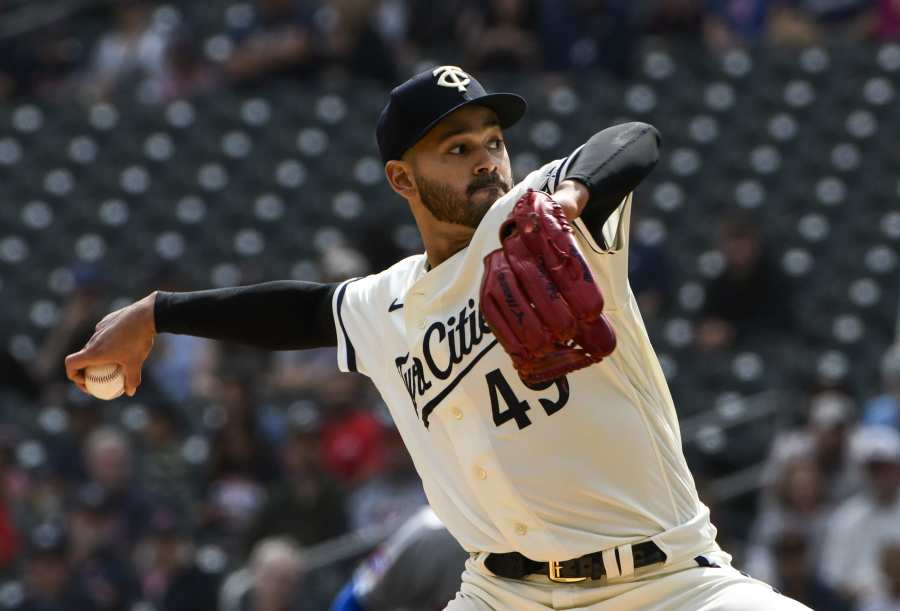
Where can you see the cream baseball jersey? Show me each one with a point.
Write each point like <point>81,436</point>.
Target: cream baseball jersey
<point>585,463</point>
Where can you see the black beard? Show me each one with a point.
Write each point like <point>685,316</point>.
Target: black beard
<point>448,206</point>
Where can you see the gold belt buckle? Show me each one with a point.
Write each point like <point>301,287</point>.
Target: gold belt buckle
<point>554,572</point>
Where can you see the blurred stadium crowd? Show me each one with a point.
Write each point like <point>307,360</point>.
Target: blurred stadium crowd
<point>181,145</point>
<point>180,48</point>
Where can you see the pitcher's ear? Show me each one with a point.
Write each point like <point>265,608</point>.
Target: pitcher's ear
<point>400,178</point>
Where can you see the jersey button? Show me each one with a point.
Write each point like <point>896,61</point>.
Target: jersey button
<point>480,473</point>
<point>457,413</point>
<point>521,529</point>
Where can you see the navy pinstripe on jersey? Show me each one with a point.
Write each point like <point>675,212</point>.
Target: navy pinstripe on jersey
<point>561,170</point>
<point>351,351</point>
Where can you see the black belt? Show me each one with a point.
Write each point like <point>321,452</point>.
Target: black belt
<point>514,565</point>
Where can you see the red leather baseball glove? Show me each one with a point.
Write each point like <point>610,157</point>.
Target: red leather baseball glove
<point>539,297</point>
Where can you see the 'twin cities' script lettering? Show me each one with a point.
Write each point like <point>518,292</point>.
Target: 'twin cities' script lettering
<point>459,334</point>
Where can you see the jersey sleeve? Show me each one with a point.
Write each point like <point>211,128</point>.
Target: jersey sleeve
<point>353,304</point>
<point>363,308</point>
<point>607,251</point>
<point>558,170</point>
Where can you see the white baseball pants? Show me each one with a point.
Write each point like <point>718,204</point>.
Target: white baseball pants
<point>685,586</point>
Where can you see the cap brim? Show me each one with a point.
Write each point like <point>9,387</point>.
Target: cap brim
<point>508,106</point>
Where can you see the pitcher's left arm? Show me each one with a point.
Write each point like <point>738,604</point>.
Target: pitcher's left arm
<point>605,169</point>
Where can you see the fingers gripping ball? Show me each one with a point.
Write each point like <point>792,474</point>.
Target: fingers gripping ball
<point>105,381</point>
<point>539,296</point>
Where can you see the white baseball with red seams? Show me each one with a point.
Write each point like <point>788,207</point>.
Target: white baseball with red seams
<point>105,381</point>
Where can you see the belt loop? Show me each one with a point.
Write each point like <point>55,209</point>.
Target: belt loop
<point>626,559</point>
<point>610,564</point>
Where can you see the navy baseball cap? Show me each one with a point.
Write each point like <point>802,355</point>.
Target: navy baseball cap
<point>421,102</point>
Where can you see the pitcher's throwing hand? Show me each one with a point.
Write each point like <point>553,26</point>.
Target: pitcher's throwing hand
<point>124,337</point>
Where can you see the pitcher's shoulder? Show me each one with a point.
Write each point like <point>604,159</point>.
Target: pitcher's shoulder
<point>391,280</point>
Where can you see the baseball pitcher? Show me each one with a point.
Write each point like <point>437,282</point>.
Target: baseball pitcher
<point>513,358</point>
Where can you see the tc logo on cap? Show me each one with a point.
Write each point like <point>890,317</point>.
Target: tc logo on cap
<point>451,76</point>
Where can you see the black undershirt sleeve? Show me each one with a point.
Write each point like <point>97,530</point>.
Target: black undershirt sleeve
<point>283,315</point>
<point>611,164</point>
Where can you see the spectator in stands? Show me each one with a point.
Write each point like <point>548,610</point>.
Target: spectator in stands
<point>749,300</point>
<point>394,493</point>
<point>500,35</point>
<point>352,435</point>
<point>239,447</point>
<point>305,503</point>
<point>351,444</point>
<point>186,71</point>
<point>806,22</point>
<point>9,471</point>
<point>799,506</point>
<point>66,454</point>
<point>46,571</point>
<point>301,371</point>
<point>824,441</point>
<point>195,578</point>
<point>579,34</point>
<point>12,483</point>
<point>884,410</point>
<point>734,23</point>
<point>677,20</point>
<point>133,50</point>
<point>432,27</point>
<point>650,277</point>
<point>16,376</point>
<point>241,464</point>
<point>39,62</point>
<point>614,26</point>
<point>171,580</point>
<point>108,463</point>
<point>164,471</point>
<point>42,498</point>
<point>9,537</point>
<point>888,597</point>
<point>886,21</point>
<point>281,42</point>
<point>864,523</point>
<point>269,581</point>
<point>795,574</point>
<point>352,44</point>
<point>103,579</point>
<point>17,66</point>
<point>156,556</point>
<point>649,272</point>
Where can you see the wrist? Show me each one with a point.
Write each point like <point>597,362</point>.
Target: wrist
<point>573,196</point>
<point>150,308</point>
